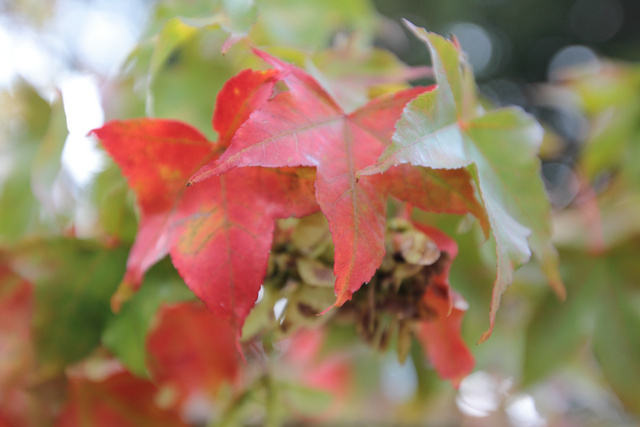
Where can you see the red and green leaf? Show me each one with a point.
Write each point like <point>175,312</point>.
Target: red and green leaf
<point>447,128</point>
<point>304,126</point>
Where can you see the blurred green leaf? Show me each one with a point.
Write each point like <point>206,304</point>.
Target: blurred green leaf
<point>234,16</point>
<point>47,166</point>
<point>125,333</point>
<point>115,204</point>
<point>74,281</point>
<point>602,308</point>
<point>186,86</point>
<point>311,24</point>
<point>608,95</point>
<point>616,340</point>
<point>558,328</point>
<point>305,400</point>
<point>24,120</point>
<point>353,75</point>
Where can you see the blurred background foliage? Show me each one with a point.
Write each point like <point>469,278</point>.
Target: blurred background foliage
<point>67,217</point>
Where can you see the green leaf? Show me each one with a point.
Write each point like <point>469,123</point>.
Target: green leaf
<point>305,400</point>
<point>231,19</point>
<point>558,329</point>
<point>312,24</point>
<point>447,128</point>
<point>234,16</point>
<point>616,342</point>
<point>74,281</point>
<point>24,120</point>
<point>115,204</point>
<point>125,334</point>
<point>353,75</point>
<point>607,94</point>
<point>185,86</point>
<point>47,162</point>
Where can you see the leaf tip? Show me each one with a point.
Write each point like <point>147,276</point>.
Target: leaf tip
<point>485,336</point>
<point>229,42</point>
<point>559,289</point>
<point>125,291</point>
<point>369,170</point>
<point>201,175</point>
<point>410,25</point>
<point>326,310</point>
<point>95,132</point>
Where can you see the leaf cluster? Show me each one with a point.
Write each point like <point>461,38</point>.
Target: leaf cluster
<point>292,203</point>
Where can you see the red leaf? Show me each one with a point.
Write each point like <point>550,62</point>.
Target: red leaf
<point>156,157</point>
<point>120,400</point>
<point>192,351</point>
<point>305,127</point>
<point>239,97</point>
<point>219,233</point>
<point>440,336</point>
<point>330,373</point>
<point>226,232</point>
<point>16,349</point>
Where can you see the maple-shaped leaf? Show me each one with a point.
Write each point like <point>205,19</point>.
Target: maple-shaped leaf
<point>440,336</point>
<point>120,399</point>
<point>447,128</point>
<point>192,351</point>
<point>304,126</point>
<point>218,233</point>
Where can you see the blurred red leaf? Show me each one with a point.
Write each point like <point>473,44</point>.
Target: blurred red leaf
<point>329,373</point>
<point>119,400</point>
<point>192,351</point>
<point>16,349</point>
<point>304,126</point>
<point>440,336</point>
